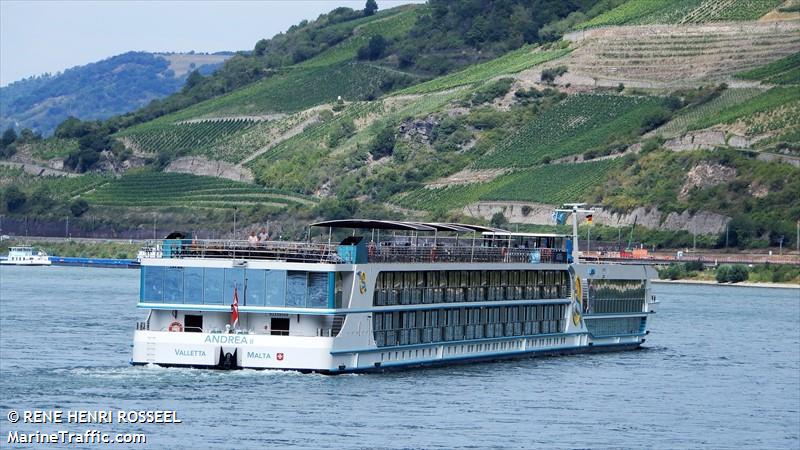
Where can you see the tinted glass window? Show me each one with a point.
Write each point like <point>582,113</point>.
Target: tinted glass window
<point>173,285</point>
<point>213,286</point>
<point>193,285</point>
<point>153,280</point>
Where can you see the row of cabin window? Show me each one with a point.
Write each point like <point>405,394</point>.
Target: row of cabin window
<point>603,306</point>
<point>610,327</point>
<point>617,289</point>
<point>418,327</point>
<point>470,278</point>
<point>441,317</point>
<point>408,288</point>
<point>197,285</point>
<point>413,296</point>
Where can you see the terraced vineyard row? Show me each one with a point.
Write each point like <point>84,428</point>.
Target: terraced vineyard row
<point>685,54</point>
<point>194,138</point>
<point>728,98</point>
<point>643,12</point>
<point>314,138</point>
<point>389,27</point>
<point>297,88</point>
<point>184,190</point>
<point>579,123</point>
<point>552,184</point>
<point>53,148</point>
<point>68,187</point>
<point>512,62</point>
<point>783,71</point>
<point>766,102</point>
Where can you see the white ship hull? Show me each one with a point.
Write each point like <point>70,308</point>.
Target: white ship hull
<point>306,307</point>
<point>317,354</point>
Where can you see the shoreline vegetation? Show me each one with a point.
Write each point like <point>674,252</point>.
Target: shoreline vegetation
<point>83,249</point>
<point>767,284</point>
<point>692,272</point>
<point>731,274</point>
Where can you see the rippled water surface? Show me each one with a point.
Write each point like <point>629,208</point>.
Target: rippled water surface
<point>722,370</point>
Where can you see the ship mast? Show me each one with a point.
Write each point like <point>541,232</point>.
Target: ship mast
<point>575,208</point>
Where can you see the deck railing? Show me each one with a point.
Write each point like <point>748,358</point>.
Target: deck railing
<point>222,249</point>
<point>310,252</point>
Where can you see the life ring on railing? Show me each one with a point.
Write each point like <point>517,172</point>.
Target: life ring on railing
<point>433,254</point>
<point>175,327</point>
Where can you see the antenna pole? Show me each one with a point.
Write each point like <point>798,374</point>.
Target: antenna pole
<point>575,251</point>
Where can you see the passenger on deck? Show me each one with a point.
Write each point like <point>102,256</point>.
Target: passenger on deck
<point>263,236</point>
<point>252,239</point>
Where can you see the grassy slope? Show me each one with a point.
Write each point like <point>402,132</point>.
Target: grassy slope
<point>551,184</point>
<point>183,190</point>
<point>579,123</point>
<point>639,12</point>
<point>783,71</point>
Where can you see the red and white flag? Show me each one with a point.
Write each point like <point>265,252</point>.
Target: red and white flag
<point>235,308</point>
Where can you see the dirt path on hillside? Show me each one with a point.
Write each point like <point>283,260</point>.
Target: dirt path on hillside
<point>313,117</point>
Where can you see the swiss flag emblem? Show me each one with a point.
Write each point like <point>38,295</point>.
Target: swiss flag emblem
<point>279,356</point>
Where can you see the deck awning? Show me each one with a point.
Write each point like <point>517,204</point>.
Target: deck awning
<point>369,224</point>
<point>480,228</point>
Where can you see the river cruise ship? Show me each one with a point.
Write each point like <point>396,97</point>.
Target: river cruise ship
<point>26,256</point>
<point>383,295</point>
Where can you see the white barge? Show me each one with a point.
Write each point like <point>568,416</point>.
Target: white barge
<point>26,256</point>
<point>390,295</point>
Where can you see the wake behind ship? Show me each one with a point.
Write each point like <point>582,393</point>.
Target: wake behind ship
<point>391,295</point>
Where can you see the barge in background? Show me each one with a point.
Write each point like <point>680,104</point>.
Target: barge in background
<point>390,295</point>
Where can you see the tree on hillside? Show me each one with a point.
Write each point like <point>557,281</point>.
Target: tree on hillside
<point>370,7</point>
<point>7,147</point>
<point>193,80</point>
<point>375,48</point>
<point>384,142</point>
<point>8,138</point>
<point>261,47</point>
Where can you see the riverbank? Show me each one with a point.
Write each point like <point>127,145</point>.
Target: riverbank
<point>113,249</point>
<point>740,284</point>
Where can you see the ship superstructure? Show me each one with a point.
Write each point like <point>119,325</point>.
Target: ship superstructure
<point>389,294</point>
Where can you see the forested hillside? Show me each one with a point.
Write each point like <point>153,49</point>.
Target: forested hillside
<point>681,117</point>
<point>98,90</point>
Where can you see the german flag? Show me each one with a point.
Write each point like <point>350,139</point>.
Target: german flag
<point>589,219</point>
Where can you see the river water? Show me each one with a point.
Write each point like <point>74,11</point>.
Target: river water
<point>721,370</point>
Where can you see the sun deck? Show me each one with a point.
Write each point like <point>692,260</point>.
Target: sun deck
<point>401,242</point>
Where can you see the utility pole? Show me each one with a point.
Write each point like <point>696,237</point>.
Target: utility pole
<point>588,238</point>
<point>66,229</point>
<point>780,248</point>
<point>155,218</point>
<point>726,236</point>
<point>234,223</point>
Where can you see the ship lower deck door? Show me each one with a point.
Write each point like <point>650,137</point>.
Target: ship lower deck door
<point>193,323</point>
<point>279,326</point>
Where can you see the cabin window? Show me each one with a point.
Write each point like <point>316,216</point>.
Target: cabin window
<point>193,285</point>
<point>296,288</point>
<point>173,285</point>
<point>153,279</point>
<point>279,326</point>
<point>234,278</point>
<point>212,286</point>
<point>255,287</point>
<point>193,323</point>
<point>317,290</point>
<point>276,287</point>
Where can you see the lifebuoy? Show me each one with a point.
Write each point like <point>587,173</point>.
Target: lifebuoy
<point>175,327</point>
